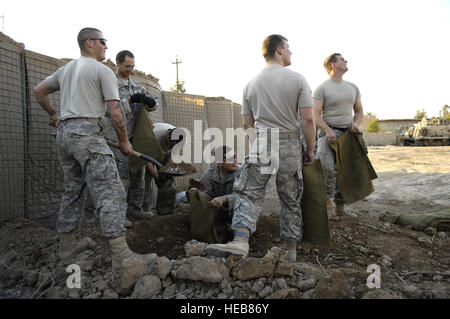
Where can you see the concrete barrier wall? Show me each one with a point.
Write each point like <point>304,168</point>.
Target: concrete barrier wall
<point>380,138</point>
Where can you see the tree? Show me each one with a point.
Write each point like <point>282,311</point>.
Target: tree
<point>444,114</point>
<point>420,114</point>
<point>373,126</point>
<point>178,87</point>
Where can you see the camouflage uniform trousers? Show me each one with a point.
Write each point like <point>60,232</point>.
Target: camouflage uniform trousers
<point>86,159</point>
<point>133,182</point>
<point>151,193</point>
<point>250,187</point>
<point>328,159</point>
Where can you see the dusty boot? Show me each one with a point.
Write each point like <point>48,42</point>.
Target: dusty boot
<point>140,214</point>
<point>121,251</point>
<point>127,223</point>
<point>237,247</point>
<point>291,250</point>
<point>69,246</point>
<point>340,211</point>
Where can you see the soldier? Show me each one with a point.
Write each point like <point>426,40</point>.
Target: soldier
<point>273,100</point>
<point>217,184</point>
<point>159,189</point>
<point>133,96</point>
<point>335,100</point>
<point>86,85</point>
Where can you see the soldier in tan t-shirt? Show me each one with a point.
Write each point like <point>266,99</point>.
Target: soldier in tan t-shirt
<point>335,101</point>
<point>87,88</point>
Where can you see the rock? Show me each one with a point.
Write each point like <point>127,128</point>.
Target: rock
<point>386,261</point>
<point>265,292</point>
<point>284,268</point>
<point>96,295</point>
<point>109,294</point>
<point>441,291</point>
<point>410,291</point>
<point>56,293</point>
<point>161,267</point>
<point>221,296</point>
<point>361,290</point>
<point>308,294</point>
<point>30,277</point>
<point>44,279</point>
<point>424,240</point>
<point>170,291</point>
<point>147,287</point>
<point>279,284</point>
<point>334,287</point>
<point>380,294</point>
<point>442,235</point>
<point>101,285</point>
<point>307,284</point>
<point>200,269</point>
<point>74,294</point>
<point>258,286</point>
<point>195,248</point>
<point>288,293</point>
<point>181,296</point>
<point>430,231</point>
<point>253,268</point>
<point>438,278</point>
<point>307,269</point>
<point>133,269</point>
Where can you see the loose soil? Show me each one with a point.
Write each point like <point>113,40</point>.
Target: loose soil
<point>410,180</point>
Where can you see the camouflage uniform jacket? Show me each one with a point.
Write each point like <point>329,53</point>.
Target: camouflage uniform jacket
<point>214,184</point>
<point>131,110</point>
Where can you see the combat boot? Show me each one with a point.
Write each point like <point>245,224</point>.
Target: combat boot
<point>291,251</point>
<point>70,247</point>
<point>121,251</point>
<point>237,247</point>
<point>340,211</point>
<point>141,214</point>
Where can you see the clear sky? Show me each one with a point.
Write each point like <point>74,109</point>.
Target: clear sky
<point>398,52</point>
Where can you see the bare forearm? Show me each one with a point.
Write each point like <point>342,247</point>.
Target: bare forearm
<point>117,120</point>
<point>358,118</point>
<point>309,131</point>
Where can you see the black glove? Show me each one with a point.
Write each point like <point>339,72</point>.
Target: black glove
<point>144,99</point>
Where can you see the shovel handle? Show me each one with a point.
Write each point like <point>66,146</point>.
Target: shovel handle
<point>139,155</point>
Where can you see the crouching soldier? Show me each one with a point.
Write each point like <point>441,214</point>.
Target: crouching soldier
<point>212,201</point>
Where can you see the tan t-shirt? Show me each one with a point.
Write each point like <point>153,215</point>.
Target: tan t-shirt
<point>338,101</point>
<point>274,97</point>
<point>85,85</point>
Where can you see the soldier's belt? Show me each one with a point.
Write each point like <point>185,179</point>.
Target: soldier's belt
<point>81,119</point>
<point>288,135</point>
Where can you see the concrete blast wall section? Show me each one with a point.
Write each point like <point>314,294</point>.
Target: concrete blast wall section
<point>30,177</point>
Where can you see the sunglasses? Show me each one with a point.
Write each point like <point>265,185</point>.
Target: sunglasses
<point>102,41</point>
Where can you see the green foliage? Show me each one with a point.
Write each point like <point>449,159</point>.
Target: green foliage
<point>420,114</point>
<point>178,87</point>
<point>373,126</point>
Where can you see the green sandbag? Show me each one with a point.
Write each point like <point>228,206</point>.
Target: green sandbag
<point>166,198</point>
<point>202,218</point>
<point>355,173</point>
<point>145,142</point>
<point>314,205</point>
<point>439,219</point>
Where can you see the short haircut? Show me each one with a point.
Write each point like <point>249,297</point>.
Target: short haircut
<point>122,55</point>
<point>270,45</point>
<point>85,34</point>
<point>220,153</point>
<point>331,59</point>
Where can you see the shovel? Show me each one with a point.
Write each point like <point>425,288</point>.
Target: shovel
<point>170,168</point>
